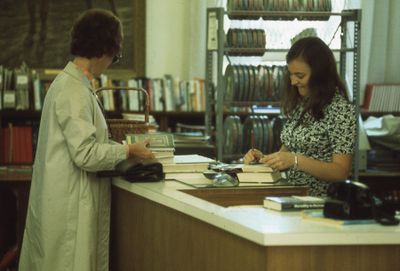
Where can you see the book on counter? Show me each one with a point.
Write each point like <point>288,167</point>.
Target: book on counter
<point>188,163</point>
<point>256,168</point>
<point>161,144</point>
<point>318,216</point>
<point>158,141</point>
<point>259,177</point>
<point>293,203</point>
<point>258,173</point>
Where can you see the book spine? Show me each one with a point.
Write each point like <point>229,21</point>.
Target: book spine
<point>300,206</point>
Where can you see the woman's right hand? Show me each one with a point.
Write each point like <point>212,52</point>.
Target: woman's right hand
<point>140,150</point>
<point>253,155</point>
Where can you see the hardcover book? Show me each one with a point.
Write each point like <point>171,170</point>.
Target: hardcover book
<point>293,203</point>
<point>158,141</point>
<point>256,168</point>
<point>259,177</point>
<point>188,163</point>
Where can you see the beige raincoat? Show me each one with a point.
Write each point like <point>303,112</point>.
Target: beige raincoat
<point>67,226</point>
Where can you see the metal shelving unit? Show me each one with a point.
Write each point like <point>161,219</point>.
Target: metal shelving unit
<point>216,50</point>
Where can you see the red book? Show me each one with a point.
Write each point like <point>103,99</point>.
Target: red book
<point>9,144</point>
<point>28,144</point>
<point>16,145</point>
<point>3,145</point>
<point>367,96</point>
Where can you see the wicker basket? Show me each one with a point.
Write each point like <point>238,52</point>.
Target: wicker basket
<point>120,127</point>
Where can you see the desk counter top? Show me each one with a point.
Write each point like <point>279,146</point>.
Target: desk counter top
<point>259,225</point>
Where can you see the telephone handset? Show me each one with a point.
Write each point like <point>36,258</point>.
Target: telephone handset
<point>354,200</point>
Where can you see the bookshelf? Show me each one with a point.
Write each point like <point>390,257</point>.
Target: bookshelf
<point>224,91</point>
<point>189,93</point>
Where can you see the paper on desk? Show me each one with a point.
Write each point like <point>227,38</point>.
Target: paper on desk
<point>193,179</point>
<point>198,180</point>
<point>191,158</point>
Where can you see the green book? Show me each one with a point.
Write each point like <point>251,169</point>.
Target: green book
<point>158,141</point>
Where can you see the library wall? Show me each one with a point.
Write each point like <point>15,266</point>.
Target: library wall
<point>39,31</point>
<point>176,38</point>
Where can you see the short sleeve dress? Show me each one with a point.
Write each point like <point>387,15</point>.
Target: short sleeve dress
<point>335,133</point>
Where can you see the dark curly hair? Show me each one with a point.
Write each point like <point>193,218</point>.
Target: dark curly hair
<point>324,80</point>
<point>95,33</point>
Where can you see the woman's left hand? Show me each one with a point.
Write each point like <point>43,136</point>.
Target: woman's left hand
<point>279,160</point>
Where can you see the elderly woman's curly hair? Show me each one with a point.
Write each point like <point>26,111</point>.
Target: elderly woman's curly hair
<point>95,33</point>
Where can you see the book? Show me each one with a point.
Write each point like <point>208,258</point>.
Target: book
<point>293,203</point>
<point>21,84</point>
<point>318,216</point>
<point>259,177</point>
<point>188,163</point>
<point>158,141</point>
<point>256,168</point>
<point>187,167</point>
<point>164,157</point>
<point>382,98</point>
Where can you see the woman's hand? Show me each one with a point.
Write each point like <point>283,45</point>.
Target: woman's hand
<point>253,155</point>
<point>279,160</point>
<point>140,150</point>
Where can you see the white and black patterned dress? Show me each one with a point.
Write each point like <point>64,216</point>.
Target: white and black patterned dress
<point>333,134</point>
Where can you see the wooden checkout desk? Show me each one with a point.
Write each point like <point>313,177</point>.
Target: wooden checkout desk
<point>172,226</point>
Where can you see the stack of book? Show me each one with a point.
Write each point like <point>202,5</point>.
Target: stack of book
<point>161,144</point>
<point>382,98</point>
<point>191,138</point>
<point>258,173</point>
<point>188,163</point>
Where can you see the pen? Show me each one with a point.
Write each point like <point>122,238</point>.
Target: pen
<point>255,161</point>
<point>252,139</point>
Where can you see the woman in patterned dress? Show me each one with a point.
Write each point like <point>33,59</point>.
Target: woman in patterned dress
<point>319,134</point>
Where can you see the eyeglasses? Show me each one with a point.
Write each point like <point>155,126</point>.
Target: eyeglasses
<point>116,58</point>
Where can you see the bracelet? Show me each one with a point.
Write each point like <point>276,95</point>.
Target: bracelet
<point>296,161</point>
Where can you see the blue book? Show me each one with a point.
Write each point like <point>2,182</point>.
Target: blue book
<point>318,216</point>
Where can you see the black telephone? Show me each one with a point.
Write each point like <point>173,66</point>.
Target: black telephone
<point>354,200</point>
<point>136,170</point>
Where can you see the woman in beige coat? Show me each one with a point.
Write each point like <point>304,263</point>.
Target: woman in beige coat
<point>67,226</point>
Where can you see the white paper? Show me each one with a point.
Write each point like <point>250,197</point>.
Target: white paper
<point>191,158</point>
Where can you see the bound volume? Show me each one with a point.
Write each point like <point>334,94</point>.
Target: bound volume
<point>161,144</point>
<point>158,141</point>
<point>258,173</point>
<point>293,203</point>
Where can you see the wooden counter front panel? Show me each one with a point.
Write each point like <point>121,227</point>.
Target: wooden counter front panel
<point>149,236</point>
